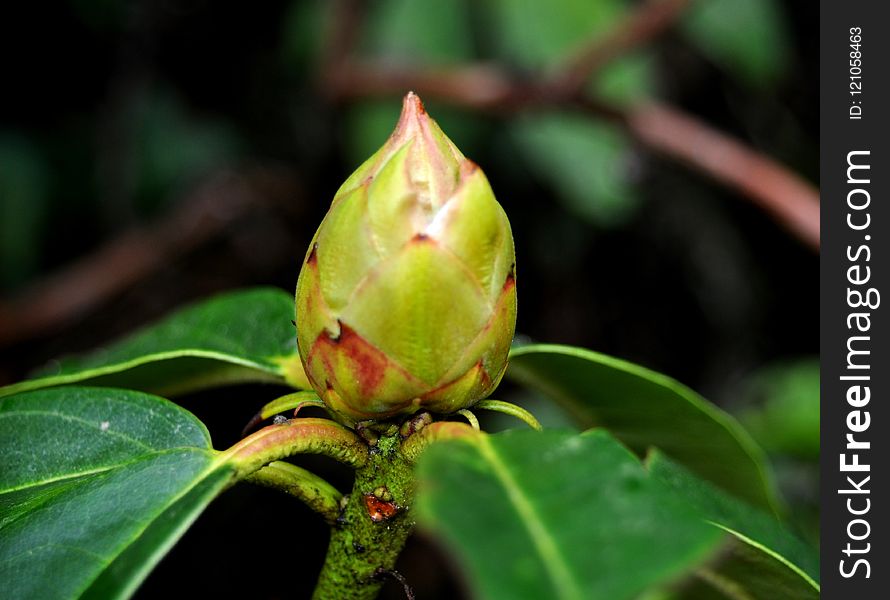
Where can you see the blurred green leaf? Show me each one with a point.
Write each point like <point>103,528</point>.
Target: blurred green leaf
<point>175,147</point>
<point>435,32</point>
<point>96,485</point>
<point>240,336</point>
<point>538,36</point>
<point>645,409</point>
<point>101,15</point>
<point>556,515</point>
<point>369,125</point>
<point>764,560</point>
<point>749,38</point>
<point>587,161</point>
<point>303,33</point>
<point>23,208</point>
<point>429,34</point>
<point>535,35</point>
<point>782,408</point>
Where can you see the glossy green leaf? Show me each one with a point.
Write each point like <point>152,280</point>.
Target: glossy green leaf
<point>96,484</point>
<point>645,409</point>
<point>763,560</point>
<point>749,38</point>
<point>239,336</point>
<point>556,515</point>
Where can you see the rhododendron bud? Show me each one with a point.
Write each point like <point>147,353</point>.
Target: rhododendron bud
<point>407,297</point>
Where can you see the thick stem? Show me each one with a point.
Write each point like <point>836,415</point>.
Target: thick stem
<point>372,529</point>
<point>297,436</point>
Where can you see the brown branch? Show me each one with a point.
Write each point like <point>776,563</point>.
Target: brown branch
<point>486,87</point>
<point>347,19</point>
<point>639,27</point>
<point>793,201</point>
<point>657,127</point>
<point>205,214</point>
<point>477,86</point>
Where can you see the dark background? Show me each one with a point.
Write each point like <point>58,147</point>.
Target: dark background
<point>186,148</point>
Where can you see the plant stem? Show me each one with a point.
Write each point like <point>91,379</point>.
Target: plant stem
<point>318,494</point>
<point>297,436</point>
<point>372,529</point>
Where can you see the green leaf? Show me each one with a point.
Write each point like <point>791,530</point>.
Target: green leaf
<point>430,34</point>
<point>534,35</point>
<point>763,560</point>
<point>96,484</point>
<point>175,147</point>
<point>239,336</point>
<point>556,515</point>
<point>782,408</point>
<point>24,175</point>
<point>645,409</point>
<point>587,161</point>
<point>749,39</point>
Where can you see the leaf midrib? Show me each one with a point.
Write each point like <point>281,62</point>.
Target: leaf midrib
<point>554,563</point>
<point>151,454</point>
<point>126,365</point>
<point>769,552</point>
<point>72,418</point>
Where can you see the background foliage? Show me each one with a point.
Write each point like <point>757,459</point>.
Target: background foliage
<point>193,141</point>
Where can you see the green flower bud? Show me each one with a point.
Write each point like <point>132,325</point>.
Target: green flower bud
<point>407,297</point>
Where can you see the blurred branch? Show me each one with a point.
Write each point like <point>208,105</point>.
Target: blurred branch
<point>204,215</point>
<point>478,86</point>
<point>790,199</point>
<point>793,201</point>
<point>638,28</point>
<point>347,18</point>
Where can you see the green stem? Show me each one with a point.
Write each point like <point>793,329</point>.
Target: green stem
<point>470,417</point>
<point>318,494</point>
<point>376,521</point>
<point>372,529</point>
<point>511,409</point>
<point>280,405</point>
<point>297,436</point>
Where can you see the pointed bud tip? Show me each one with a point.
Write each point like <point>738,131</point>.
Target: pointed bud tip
<point>413,104</point>
<point>413,114</point>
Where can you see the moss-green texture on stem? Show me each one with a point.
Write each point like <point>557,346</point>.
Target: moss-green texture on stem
<point>372,529</point>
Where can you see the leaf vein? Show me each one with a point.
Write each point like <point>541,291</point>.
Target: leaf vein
<point>554,563</point>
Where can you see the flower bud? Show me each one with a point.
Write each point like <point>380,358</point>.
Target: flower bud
<point>407,297</point>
